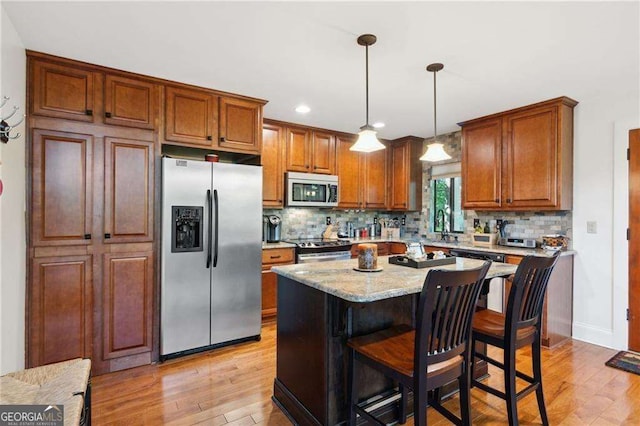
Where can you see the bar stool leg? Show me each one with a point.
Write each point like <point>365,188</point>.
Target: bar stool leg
<point>510,385</point>
<point>465,396</point>
<point>404,394</point>
<point>537,376</point>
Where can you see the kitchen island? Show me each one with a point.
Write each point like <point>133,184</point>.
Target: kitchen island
<point>320,306</point>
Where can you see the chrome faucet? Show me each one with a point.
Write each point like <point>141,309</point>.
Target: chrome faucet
<point>444,235</point>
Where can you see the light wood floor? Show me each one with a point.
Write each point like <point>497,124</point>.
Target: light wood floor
<point>233,386</point>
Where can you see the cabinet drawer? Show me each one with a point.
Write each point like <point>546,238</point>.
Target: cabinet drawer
<point>276,256</point>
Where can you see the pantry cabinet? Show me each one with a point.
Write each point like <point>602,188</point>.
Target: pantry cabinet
<point>519,159</point>
<point>362,176</point>
<point>405,174</point>
<point>272,170</point>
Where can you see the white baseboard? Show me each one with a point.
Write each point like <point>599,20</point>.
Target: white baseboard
<point>595,335</point>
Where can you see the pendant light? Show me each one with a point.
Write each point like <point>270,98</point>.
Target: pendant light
<point>367,140</point>
<point>435,151</point>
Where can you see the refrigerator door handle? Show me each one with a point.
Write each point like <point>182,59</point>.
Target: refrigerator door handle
<point>215,243</point>
<point>209,229</point>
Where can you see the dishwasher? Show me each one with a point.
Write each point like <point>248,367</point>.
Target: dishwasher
<point>495,295</point>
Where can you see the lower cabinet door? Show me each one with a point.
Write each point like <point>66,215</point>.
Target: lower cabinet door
<point>269,294</point>
<point>127,304</point>
<point>60,309</point>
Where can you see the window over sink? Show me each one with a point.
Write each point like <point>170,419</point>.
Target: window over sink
<point>445,212</point>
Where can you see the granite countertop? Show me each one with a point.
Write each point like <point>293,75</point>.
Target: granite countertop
<point>280,245</point>
<point>338,278</point>
<point>516,251</point>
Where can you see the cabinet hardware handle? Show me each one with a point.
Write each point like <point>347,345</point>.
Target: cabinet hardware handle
<point>498,200</point>
<point>107,236</point>
<point>88,112</point>
<point>222,139</point>
<point>279,201</point>
<point>107,114</point>
<point>306,166</point>
<point>275,257</point>
<point>209,138</point>
<point>87,236</point>
<point>509,200</point>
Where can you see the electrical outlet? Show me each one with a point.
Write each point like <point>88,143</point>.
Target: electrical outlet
<point>476,223</point>
<point>328,220</point>
<point>404,220</point>
<point>375,220</point>
<point>592,227</point>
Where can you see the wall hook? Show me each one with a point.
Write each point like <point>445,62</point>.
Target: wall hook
<point>5,127</point>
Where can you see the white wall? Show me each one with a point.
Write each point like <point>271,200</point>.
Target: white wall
<point>600,194</point>
<point>12,205</point>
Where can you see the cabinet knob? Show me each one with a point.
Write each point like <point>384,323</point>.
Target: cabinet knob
<point>509,200</point>
<point>497,200</point>
<point>88,112</point>
<point>222,139</point>
<point>87,236</point>
<point>107,236</point>
<point>107,114</point>
<point>306,166</point>
<point>209,138</point>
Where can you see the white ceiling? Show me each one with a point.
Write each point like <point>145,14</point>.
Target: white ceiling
<point>497,56</point>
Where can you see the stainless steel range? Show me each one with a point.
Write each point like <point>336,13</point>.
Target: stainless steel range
<point>318,250</point>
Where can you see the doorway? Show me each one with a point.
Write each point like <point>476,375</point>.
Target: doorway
<point>634,240</point>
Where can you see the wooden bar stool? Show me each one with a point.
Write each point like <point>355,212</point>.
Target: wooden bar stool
<point>518,328</point>
<point>433,354</point>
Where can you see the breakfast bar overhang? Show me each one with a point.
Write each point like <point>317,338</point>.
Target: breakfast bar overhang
<point>322,305</point>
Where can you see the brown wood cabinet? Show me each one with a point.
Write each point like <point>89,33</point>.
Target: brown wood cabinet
<point>240,125</point>
<point>128,190</point>
<point>405,174</point>
<point>130,102</point>
<point>383,249</point>
<point>60,309</point>
<point>519,159</point>
<point>397,248</point>
<point>191,117</point>
<point>273,257</point>
<point>310,151</point>
<point>362,176</point>
<point>272,170</point>
<point>127,304</point>
<point>62,91</point>
<point>61,188</point>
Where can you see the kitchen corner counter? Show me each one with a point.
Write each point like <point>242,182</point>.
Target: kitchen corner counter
<point>338,278</point>
<point>270,246</point>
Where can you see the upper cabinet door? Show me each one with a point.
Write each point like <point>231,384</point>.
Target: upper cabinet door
<point>323,153</point>
<point>375,179</point>
<point>128,190</point>
<point>531,146</point>
<point>298,150</point>
<point>349,171</point>
<point>191,117</point>
<point>240,125</point>
<point>399,175</point>
<point>61,174</point>
<point>272,174</point>
<point>62,91</point>
<point>481,164</point>
<point>130,102</point>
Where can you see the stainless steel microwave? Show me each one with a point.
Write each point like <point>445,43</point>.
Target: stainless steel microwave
<point>311,190</point>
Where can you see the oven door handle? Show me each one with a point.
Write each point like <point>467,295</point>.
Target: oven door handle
<point>302,258</point>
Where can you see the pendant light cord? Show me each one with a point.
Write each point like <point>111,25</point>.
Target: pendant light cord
<point>435,121</point>
<point>366,49</point>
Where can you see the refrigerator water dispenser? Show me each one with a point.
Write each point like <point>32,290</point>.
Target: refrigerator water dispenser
<point>186,232</point>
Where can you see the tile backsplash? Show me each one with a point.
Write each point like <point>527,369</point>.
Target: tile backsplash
<point>310,222</point>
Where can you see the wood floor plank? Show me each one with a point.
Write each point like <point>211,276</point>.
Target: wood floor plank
<point>233,386</point>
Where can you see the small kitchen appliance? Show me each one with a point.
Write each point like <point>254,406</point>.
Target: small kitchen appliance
<point>273,228</point>
<point>519,242</point>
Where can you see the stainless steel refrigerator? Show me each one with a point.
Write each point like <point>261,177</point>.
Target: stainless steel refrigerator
<point>211,255</point>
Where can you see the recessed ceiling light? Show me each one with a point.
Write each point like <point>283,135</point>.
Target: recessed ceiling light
<point>302,109</point>
<point>378,125</point>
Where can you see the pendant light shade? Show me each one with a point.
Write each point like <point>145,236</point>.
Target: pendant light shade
<point>367,140</point>
<point>435,151</point>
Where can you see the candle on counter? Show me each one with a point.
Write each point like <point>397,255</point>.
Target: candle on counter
<point>367,256</point>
